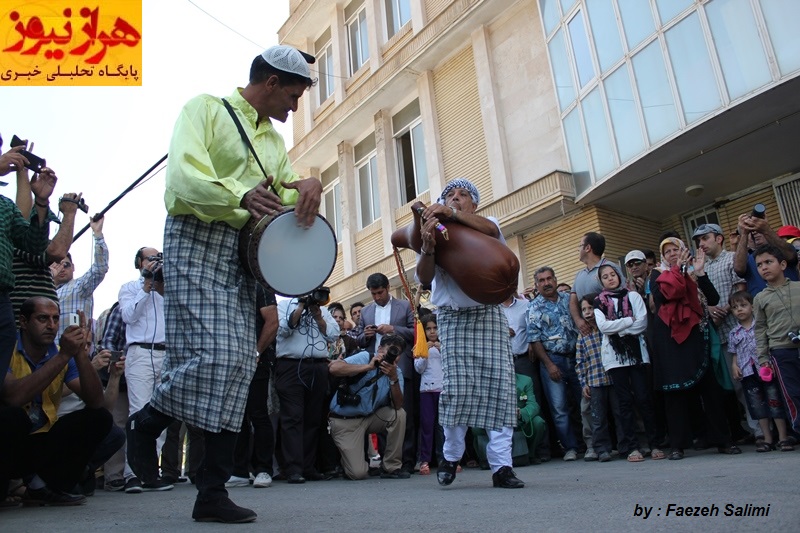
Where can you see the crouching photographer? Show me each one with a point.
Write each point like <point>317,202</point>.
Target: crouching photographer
<point>369,399</point>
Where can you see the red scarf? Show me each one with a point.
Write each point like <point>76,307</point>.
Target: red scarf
<point>682,310</point>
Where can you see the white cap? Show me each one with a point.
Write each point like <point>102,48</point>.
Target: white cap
<point>634,254</point>
<point>287,59</point>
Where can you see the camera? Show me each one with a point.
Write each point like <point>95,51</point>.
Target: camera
<point>346,398</point>
<point>759,211</point>
<point>392,353</point>
<point>35,163</point>
<point>794,337</point>
<point>157,272</point>
<point>319,296</point>
<point>73,319</point>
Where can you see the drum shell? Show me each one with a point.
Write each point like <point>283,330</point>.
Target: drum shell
<point>482,266</point>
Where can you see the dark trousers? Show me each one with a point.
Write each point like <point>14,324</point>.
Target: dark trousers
<point>786,363</point>
<point>255,445</point>
<point>8,334</point>
<point>602,398</point>
<point>431,434</point>
<point>215,469</point>
<point>678,405</point>
<point>111,444</point>
<point>14,429</point>
<point>301,385</point>
<point>171,451</point>
<point>411,407</point>
<point>630,386</point>
<point>60,456</point>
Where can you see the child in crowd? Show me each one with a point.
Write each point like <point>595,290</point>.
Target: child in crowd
<point>595,384</point>
<point>777,310</point>
<point>430,388</point>
<point>763,397</point>
<point>622,318</point>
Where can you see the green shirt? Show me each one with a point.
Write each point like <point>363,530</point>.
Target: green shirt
<point>777,311</point>
<point>16,232</point>
<point>210,168</point>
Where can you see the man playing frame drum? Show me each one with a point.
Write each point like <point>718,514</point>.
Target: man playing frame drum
<point>475,343</point>
<point>214,186</point>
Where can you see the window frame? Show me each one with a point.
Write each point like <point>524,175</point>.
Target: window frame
<point>354,22</point>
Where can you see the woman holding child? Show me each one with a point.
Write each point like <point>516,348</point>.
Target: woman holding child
<point>681,358</point>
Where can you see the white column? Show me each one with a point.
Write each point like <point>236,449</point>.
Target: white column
<point>339,43</point>
<point>347,178</point>
<point>492,121</point>
<point>430,128</point>
<point>387,172</point>
<point>376,34</point>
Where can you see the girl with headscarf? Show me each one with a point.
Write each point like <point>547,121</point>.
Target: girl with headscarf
<point>622,318</point>
<point>681,358</point>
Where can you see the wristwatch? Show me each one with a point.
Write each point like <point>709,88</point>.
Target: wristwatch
<point>395,382</point>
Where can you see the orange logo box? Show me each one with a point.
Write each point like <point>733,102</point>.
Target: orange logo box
<point>69,43</point>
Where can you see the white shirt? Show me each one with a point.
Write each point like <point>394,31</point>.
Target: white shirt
<point>305,340</point>
<point>635,325</point>
<point>382,316</point>
<point>142,312</point>
<point>517,316</point>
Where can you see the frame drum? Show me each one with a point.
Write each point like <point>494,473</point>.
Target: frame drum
<point>290,260</point>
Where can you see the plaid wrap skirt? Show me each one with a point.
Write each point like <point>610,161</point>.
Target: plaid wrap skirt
<point>479,385</point>
<point>210,310</point>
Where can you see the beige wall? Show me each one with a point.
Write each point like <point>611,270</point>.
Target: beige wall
<point>525,96</point>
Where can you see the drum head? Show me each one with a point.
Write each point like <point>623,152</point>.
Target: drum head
<point>295,261</point>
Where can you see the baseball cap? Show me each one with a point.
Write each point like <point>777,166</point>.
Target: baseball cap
<point>288,59</point>
<point>635,255</point>
<point>702,229</point>
<point>788,231</point>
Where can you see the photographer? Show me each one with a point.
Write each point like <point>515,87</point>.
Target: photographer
<point>369,400</point>
<point>301,380</point>
<point>141,304</point>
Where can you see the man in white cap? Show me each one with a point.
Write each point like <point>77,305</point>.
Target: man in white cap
<point>636,263</point>
<point>479,383</point>
<point>214,185</point>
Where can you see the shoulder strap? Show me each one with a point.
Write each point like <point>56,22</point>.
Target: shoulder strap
<point>246,140</point>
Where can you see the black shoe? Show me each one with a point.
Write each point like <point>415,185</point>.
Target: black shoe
<point>675,455</point>
<point>53,498</point>
<point>224,511</point>
<point>505,478</point>
<point>157,485</point>
<point>397,474</point>
<point>86,486</point>
<point>133,486</point>
<point>295,479</point>
<point>314,476</point>
<point>446,473</point>
<point>729,450</point>
<point>373,471</point>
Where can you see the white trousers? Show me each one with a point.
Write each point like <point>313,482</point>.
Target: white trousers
<point>498,451</point>
<point>142,374</point>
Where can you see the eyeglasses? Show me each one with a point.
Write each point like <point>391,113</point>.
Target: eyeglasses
<point>66,264</point>
<point>634,262</point>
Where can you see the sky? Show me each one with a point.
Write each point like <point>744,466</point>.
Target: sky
<point>99,140</point>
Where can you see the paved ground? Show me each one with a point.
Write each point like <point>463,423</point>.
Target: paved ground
<point>558,496</point>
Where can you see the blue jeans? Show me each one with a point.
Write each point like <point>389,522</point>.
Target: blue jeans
<point>558,396</point>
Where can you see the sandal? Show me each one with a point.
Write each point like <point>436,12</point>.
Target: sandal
<point>657,454</point>
<point>785,446</point>
<point>729,450</point>
<point>635,457</point>
<point>676,455</point>
<point>424,469</point>
<point>764,446</point>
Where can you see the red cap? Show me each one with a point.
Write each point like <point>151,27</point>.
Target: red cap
<point>788,231</point>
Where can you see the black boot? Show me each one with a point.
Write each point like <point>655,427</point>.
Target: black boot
<point>143,428</point>
<point>223,510</point>
<point>505,478</point>
<point>446,473</point>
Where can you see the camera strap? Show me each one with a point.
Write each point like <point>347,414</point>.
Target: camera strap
<point>246,140</point>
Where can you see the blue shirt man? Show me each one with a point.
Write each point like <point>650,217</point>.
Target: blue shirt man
<point>369,399</point>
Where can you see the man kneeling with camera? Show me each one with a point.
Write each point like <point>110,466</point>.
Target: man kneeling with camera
<point>369,399</point>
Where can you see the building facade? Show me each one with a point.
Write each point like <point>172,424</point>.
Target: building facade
<point>627,117</point>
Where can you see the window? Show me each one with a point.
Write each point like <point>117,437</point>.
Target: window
<point>324,51</point>
<point>410,144</point>
<point>691,221</point>
<point>398,12</point>
<point>367,182</point>
<point>332,199</point>
<point>357,35</point>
